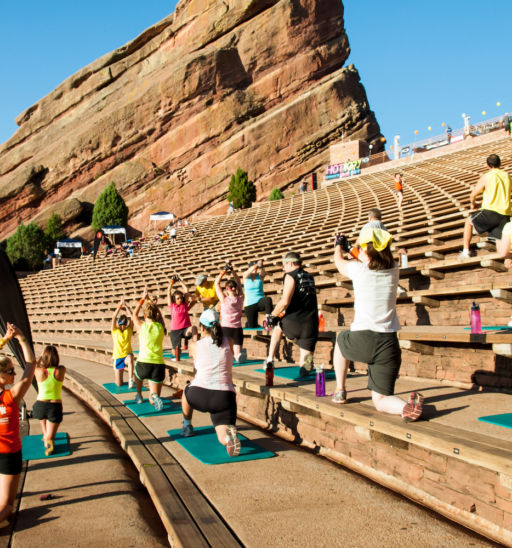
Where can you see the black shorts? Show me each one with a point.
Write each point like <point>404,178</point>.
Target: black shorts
<point>221,404</point>
<point>234,333</point>
<point>51,411</point>
<point>177,335</point>
<point>489,221</point>
<point>382,353</point>
<point>154,372</point>
<point>10,463</point>
<point>305,333</point>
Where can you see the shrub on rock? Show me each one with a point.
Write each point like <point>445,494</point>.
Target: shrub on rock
<point>54,232</point>
<point>242,192</point>
<point>109,209</point>
<point>26,247</point>
<point>276,194</point>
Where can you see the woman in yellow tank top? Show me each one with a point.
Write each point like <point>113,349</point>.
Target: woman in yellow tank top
<point>48,407</point>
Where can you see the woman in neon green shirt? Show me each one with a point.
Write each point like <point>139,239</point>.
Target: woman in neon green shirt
<point>150,361</point>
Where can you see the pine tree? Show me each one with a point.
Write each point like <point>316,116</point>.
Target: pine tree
<point>26,247</point>
<point>109,209</point>
<point>242,192</point>
<point>276,194</point>
<point>54,232</point>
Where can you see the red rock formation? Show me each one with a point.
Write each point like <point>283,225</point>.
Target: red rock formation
<point>219,84</point>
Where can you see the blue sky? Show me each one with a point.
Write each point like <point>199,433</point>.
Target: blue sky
<point>422,63</point>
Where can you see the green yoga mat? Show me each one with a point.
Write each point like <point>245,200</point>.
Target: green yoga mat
<point>145,409</point>
<point>123,389</point>
<point>493,328</point>
<point>170,355</point>
<point>499,420</point>
<point>253,328</point>
<point>33,447</point>
<point>205,447</point>
<point>292,374</point>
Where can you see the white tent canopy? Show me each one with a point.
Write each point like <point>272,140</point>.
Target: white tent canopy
<point>69,242</point>
<point>161,216</point>
<point>114,229</point>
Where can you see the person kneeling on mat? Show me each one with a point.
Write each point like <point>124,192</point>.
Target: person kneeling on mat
<point>150,362</point>
<point>372,337</point>
<point>48,407</point>
<point>212,389</point>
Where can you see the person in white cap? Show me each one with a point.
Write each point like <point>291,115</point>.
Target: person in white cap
<point>205,291</point>
<point>372,338</point>
<point>212,389</point>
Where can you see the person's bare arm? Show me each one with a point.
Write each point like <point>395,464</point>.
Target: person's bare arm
<point>286,299</point>
<point>60,373</point>
<point>218,287</point>
<point>249,271</point>
<point>238,283</point>
<point>135,316</point>
<point>503,246</point>
<point>113,325</point>
<point>19,389</point>
<point>169,289</point>
<point>340,262</point>
<point>477,190</point>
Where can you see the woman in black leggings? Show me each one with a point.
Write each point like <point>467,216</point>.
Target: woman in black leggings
<point>255,300</point>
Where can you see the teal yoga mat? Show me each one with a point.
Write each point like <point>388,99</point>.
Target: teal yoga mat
<point>292,373</point>
<point>493,328</point>
<point>114,389</point>
<point>248,362</point>
<point>205,447</point>
<point>170,355</point>
<point>145,409</point>
<point>499,420</point>
<point>33,447</point>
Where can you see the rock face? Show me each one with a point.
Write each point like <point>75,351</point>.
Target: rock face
<point>168,117</point>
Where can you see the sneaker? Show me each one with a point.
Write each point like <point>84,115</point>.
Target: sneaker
<point>139,399</point>
<point>401,291</point>
<point>187,431</point>
<point>233,444</point>
<point>464,254</point>
<point>412,411</point>
<point>243,356</point>
<point>49,448</point>
<point>131,384</point>
<point>157,402</point>
<point>340,396</point>
<point>307,368</point>
<point>510,322</point>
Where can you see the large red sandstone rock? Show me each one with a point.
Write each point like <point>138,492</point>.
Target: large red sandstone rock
<point>219,84</point>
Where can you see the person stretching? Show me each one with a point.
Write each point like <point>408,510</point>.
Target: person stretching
<point>399,188</point>
<point>180,302</point>
<point>255,300</point>
<point>122,332</point>
<point>212,389</point>
<point>372,337</point>
<point>48,407</point>
<point>150,361</point>
<point>10,399</point>
<point>231,308</point>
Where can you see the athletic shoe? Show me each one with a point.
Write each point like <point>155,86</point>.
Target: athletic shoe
<point>510,322</point>
<point>49,448</point>
<point>157,402</point>
<point>243,356</point>
<point>139,399</point>
<point>464,254</point>
<point>412,412</point>
<point>340,396</point>
<point>233,444</point>
<point>187,431</point>
<point>306,369</point>
<point>131,384</point>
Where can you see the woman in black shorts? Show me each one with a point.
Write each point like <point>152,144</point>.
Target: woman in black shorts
<point>212,389</point>
<point>10,399</point>
<point>48,407</point>
<point>372,337</point>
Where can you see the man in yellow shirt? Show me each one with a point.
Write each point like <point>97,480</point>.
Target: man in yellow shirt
<point>122,354</point>
<point>495,210</point>
<point>205,291</point>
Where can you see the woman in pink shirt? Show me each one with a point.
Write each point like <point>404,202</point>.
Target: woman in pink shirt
<point>231,308</point>
<point>212,389</point>
<point>180,302</point>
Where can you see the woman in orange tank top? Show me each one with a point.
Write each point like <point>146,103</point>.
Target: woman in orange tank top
<point>10,399</point>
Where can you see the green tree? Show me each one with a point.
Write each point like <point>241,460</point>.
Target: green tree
<point>242,192</point>
<point>276,194</point>
<point>26,247</point>
<point>54,232</point>
<point>109,209</point>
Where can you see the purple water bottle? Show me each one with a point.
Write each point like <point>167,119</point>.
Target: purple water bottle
<point>476,322</point>
<point>320,382</point>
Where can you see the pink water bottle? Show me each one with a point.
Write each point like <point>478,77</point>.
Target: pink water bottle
<point>476,322</point>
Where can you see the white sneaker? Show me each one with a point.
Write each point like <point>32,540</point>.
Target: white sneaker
<point>131,384</point>
<point>233,445</point>
<point>139,399</point>
<point>243,356</point>
<point>464,254</point>
<point>157,402</point>
<point>510,322</point>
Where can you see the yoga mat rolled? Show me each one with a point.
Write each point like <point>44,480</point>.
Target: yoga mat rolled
<point>205,447</point>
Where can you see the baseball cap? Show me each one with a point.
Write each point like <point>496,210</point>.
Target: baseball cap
<point>380,238</point>
<point>200,279</point>
<point>209,317</point>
